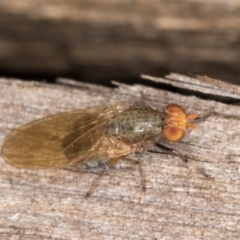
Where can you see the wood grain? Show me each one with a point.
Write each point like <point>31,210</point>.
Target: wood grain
<point>199,199</point>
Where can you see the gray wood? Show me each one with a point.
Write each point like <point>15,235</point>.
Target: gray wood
<point>202,84</point>
<point>194,200</point>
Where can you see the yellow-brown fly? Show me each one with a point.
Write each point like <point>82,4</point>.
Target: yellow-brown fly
<point>93,134</point>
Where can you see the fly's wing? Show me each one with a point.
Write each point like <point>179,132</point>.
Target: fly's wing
<point>57,140</point>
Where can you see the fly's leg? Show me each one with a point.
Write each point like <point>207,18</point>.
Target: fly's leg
<point>185,159</point>
<point>170,151</point>
<point>142,177</point>
<point>110,164</point>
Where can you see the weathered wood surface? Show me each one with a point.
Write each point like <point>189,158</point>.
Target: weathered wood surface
<point>113,38</point>
<point>195,200</point>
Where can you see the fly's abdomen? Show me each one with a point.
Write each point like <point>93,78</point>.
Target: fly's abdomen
<point>135,125</point>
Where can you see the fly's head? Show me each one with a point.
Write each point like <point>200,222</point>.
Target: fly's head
<point>176,123</point>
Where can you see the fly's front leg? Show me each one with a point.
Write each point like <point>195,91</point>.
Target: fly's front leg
<point>170,151</point>
<point>189,161</point>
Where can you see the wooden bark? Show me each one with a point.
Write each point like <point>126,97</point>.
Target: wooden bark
<point>94,41</point>
<point>199,199</point>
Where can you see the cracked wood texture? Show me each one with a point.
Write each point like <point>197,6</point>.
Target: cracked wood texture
<point>99,40</point>
<point>198,199</point>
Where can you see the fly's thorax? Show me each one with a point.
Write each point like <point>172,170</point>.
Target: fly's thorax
<point>136,125</point>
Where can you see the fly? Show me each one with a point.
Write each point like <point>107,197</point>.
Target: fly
<point>93,135</point>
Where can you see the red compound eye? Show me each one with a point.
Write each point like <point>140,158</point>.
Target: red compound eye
<point>173,134</point>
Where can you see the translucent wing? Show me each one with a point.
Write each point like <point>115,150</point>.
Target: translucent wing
<point>57,140</point>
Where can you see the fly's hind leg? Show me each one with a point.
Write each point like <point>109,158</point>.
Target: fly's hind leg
<point>94,184</point>
<point>109,165</point>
